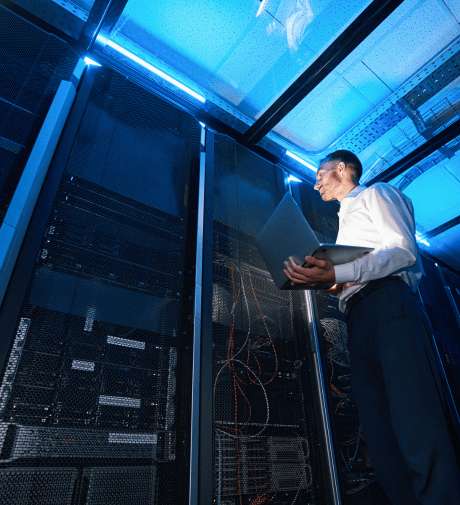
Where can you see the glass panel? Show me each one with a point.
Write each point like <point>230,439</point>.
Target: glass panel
<point>386,61</point>
<point>238,53</point>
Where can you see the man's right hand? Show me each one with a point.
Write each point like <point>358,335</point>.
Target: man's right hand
<point>335,290</point>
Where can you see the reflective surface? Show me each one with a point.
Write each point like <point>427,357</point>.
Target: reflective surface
<point>245,53</point>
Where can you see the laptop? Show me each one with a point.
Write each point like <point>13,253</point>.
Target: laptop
<point>287,233</point>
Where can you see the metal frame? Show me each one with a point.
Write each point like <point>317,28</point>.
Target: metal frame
<point>442,228</point>
<point>309,315</point>
<point>205,469</point>
<point>343,46</point>
<point>429,147</point>
<point>197,322</point>
<point>27,255</point>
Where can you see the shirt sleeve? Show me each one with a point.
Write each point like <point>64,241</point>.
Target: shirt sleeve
<point>393,217</point>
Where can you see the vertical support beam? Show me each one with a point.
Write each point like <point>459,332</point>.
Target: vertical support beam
<point>201,467</point>
<point>14,226</point>
<point>196,369</point>
<point>34,228</point>
<point>309,315</point>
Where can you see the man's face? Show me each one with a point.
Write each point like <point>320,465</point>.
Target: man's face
<point>328,180</point>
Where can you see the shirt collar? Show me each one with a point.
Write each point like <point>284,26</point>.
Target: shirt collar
<point>356,191</point>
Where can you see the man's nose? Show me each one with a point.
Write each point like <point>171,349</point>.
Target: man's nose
<point>316,186</point>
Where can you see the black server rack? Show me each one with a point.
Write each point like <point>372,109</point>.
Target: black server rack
<point>268,444</point>
<point>33,63</point>
<point>440,294</point>
<point>95,394</point>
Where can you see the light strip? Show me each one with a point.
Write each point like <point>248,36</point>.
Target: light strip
<point>155,71</point>
<point>89,61</point>
<point>300,160</point>
<point>420,239</point>
<point>292,178</point>
<point>261,8</point>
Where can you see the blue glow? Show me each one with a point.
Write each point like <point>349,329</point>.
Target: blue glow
<point>292,178</point>
<point>155,71</point>
<point>202,124</point>
<point>300,160</point>
<point>89,61</point>
<point>420,239</point>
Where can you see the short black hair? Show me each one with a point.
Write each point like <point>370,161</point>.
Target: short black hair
<point>350,159</point>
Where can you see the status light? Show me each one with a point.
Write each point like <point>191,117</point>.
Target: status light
<point>300,160</point>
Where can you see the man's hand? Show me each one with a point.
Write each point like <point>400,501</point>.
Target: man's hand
<point>320,271</point>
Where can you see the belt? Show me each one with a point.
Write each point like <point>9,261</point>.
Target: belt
<point>369,288</point>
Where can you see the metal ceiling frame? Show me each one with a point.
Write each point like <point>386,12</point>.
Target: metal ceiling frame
<point>442,228</point>
<point>102,18</point>
<point>377,12</point>
<point>429,147</point>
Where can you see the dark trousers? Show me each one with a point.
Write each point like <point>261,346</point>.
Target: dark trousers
<point>397,390</point>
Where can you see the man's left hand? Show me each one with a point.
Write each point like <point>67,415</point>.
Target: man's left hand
<point>320,271</point>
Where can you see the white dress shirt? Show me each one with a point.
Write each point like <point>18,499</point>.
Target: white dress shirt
<point>381,217</point>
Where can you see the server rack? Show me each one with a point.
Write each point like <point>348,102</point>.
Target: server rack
<point>268,438</point>
<point>33,64</point>
<point>95,390</point>
<point>439,292</point>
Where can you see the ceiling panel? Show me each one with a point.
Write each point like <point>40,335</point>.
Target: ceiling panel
<point>426,30</point>
<point>242,52</point>
<point>318,122</point>
<point>407,42</point>
<point>453,166</point>
<point>454,7</point>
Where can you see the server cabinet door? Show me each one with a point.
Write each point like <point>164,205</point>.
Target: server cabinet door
<point>268,437</point>
<point>95,389</point>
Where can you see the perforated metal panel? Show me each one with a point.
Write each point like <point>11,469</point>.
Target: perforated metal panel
<point>267,443</point>
<point>358,479</point>
<point>32,65</point>
<point>98,376</point>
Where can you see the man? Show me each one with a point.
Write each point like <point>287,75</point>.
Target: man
<point>394,376</point>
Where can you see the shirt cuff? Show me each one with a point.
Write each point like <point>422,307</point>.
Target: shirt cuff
<point>344,273</point>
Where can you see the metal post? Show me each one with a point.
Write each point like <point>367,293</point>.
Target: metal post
<point>195,413</point>
<point>17,218</point>
<point>201,468</point>
<point>31,229</point>
<point>309,315</point>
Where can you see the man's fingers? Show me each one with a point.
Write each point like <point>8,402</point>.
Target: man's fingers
<point>293,279</point>
<point>316,261</point>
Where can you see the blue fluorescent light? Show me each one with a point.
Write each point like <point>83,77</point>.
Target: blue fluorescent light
<point>292,178</point>
<point>420,239</point>
<point>202,124</point>
<point>300,160</point>
<point>89,61</point>
<point>261,8</point>
<point>156,71</point>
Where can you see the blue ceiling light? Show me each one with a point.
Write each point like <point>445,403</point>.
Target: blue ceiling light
<point>292,178</point>
<point>202,124</point>
<point>261,8</point>
<point>89,61</point>
<point>420,239</point>
<point>300,160</point>
<point>156,71</point>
